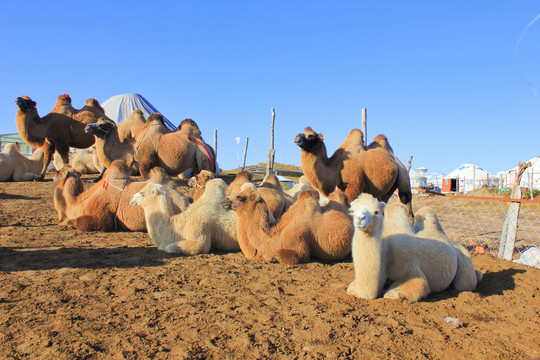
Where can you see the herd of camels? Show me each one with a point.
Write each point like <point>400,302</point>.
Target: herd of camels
<point>337,209</point>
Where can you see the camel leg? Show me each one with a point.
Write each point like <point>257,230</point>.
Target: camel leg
<point>48,151</point>
<point>22,175</point>
<point>89,223</point>
<point>412,289</point>
<point>187,247</point>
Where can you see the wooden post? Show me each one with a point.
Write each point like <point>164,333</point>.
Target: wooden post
<point>271,151</point>
<point>215,145</point>
<point>245,152</point>
<point>509,231</point>
<point>409,164</point>
<point>364,125</point>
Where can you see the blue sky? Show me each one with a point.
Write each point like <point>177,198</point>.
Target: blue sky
<point>441,79</point>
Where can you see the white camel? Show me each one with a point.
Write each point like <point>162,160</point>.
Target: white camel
<point>204,224</point>
<point>15,166</point>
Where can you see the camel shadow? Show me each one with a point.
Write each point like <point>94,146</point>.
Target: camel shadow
<point>4,196</point>
<point>493,283</point>
<point>19,259</point>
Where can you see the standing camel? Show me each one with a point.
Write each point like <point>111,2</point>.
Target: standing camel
<point>57,130</point>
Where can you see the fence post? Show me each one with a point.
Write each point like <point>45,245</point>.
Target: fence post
<point>508,237</point>
<point>245,152</point>
<point>364,125</point>
<point>215,145</point>
<point>271,151</point>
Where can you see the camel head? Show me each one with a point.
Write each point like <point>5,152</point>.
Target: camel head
<point>147,195</point>
<point>367,213</point>
<point>426,219</point>
<point>215,187</point>
<point>201,179</point>
<point>309,140</point>
<point>248,194</point>
<point>102,128</point>
<point>25,104</point>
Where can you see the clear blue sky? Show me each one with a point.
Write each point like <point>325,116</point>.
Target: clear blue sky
<point>441,79</point>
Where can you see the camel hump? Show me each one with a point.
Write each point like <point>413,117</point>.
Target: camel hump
<point>308,194</point>
<point>381,141</point>
<point>10,148</point>
<point>94,103</point>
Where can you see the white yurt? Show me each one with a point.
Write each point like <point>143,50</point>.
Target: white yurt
<point>531,176</point>
<point>470,177</point>
<point>119,107</point>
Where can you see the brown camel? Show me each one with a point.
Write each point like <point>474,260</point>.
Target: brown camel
<point>305,230</point>
<point>175,151</point>
<point>105,205</point>
<point>56,130</point>
<point>241,178</point>
<point>108,144</point>
<point>198,183</point>
<point>133,125</point>
<point>352,168</point>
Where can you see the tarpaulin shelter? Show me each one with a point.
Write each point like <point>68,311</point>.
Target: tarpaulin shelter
<point>119,107</point>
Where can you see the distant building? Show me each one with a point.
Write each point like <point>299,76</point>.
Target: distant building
<point>23,148</point>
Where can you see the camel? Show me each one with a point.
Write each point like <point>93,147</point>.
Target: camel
<point>277,201</point>
<point>198,183</point>
<point>203,225</point>
<point>133,125</point>
<point>108,144</point>
<point>84,161</point>
<point>15,166</point>
<point>174,151</point>
<point>56,130</point>
<point>105,205</point>
<point>305,230</point>
<point>303,184</point>
<point>352,168</point>
<point>416,266</point>
<point>427,225</point>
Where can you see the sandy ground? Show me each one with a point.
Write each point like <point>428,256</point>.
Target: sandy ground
<point>71,295</point>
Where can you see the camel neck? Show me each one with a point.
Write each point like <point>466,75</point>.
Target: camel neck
<point>30,128</point>
<point>368,261</point>
<point>254,230</point>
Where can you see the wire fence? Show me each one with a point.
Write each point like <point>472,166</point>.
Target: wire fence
<point>500,227</point>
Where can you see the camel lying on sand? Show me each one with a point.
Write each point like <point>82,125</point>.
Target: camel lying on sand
<point>58,130</point>
<point>305,230</point>
<point>415,265</point>
<point>15,166</point>
<point>84,161</point>
<point>108,145</point>
<point>174,151</point>
<point>203,225</point>
<point>198,183</point>
<point>352,168</point>
<point>105,205</point>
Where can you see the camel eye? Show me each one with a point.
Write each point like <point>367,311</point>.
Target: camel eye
<point>376,212</point>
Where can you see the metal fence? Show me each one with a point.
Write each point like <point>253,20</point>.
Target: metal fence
<point>500,227</point>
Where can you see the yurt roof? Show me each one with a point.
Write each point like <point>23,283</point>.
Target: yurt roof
<point>465,171</point>
<point>119,107</point>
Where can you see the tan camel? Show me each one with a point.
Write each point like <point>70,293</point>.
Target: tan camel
<point>203,225</point>
<point>15,166</point>
<point>108,144</point>
<point>105,205</point>
<point>198,183</point>
<point>416,266</point>
<point>303,184</point>
<point>56,130</point>
<point>84,161</point>
<point>305,230</point>
<point>240,179</point>
<point>133,125</point>
<point>174,151</point>
<point>351,168</point>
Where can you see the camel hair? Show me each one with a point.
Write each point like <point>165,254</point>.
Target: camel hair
<point>134,124</point>
<point>175,151</point>
<point>427,225</point>
<point>414,265</point>
<point>105,205</point>
<point>15,166</point>
<point>59,130</point>
<point>84,161</point>
<point>108,144</point>
<point>303,184</point>
<point>352,168</point>
<point>203,225</point>
<point>270,190</point>
<point>305,230</point>
<point>198,183</point>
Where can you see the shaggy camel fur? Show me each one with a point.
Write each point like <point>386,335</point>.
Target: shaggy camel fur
<point>56,130</point>
<point>270,190</point>
<point>427,225</point>
<point>305,230</point>
<point>174,151</point>
<point>15,166</point>
<point>108,144</point>
<point>105,205</point>
<point>203,225</point>
<point>84,161</point>
<point>198,183</point>
<point>396,221</point>
<point>303,184</point>
<point>351,168</point>
<point>133,125</point>
<point>416,266</point>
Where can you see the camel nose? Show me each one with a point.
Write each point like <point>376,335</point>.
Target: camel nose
<point>361,221</point>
